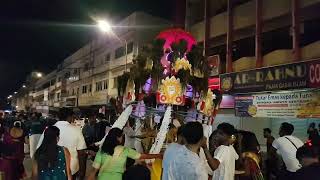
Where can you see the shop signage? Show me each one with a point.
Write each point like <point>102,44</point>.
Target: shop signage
<point>214,83</point>
<point>279,105</point>
<point>71,102</point>
<point>314,74</point>
<point>290,76</point>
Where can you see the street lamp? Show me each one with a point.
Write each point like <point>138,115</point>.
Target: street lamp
<point>39,75</point>
<point>105,27</point>
<point>15,92</point>
<point>24,86</point>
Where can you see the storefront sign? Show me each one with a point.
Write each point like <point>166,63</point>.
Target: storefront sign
<point>71,102</point>
<point>314,74</point>
<point>279,105</point>
<point>214,83</point>
<point>290,76</point>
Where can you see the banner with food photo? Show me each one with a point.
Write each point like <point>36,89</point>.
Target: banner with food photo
<point>295,104</point>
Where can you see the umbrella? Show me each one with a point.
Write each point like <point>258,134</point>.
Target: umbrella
<point>176,35</point>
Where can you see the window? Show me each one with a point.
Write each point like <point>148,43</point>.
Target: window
<point>115,82</point>
<point>78,90</point>
<point>73,92</point>
<point>59,79</point>
<point>105,84</point>
<point>99,86</point>
<point>58,96</point>
<point>53,82</point>
<point>130,47</point>
<point>84,89</point>
<point>75,72</point>
<point>107,57</point>
<point>86,67</point>
<point>67,75</point>
<point>90,87</point>
<point>120,52</point>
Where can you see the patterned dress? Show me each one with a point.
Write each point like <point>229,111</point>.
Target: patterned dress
<point>58,172</point>
<point>11,162</point>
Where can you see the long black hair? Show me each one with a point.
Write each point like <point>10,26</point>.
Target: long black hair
<point>47,154</point>
<point>111,141</point>
<point>249,142</point>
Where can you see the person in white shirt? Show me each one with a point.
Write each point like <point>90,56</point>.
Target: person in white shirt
<point>129,134</point>
<point>223,162</point>
<point>186,164</point>
<point>71,138</point>
<point>207,131</point>
<point>286,145</point>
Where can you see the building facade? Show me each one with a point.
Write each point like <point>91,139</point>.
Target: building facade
<point>247,35</point>
<point>88,77</point>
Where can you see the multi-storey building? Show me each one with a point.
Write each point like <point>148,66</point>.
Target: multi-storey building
<point>247,35</point>
<point>88,77</point>
<point>255,33</point>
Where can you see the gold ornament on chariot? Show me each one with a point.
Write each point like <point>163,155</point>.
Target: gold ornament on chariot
<point>171,91</point>
<point>182,64</point>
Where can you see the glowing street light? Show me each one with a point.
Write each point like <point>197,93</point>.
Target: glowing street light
<point>104,26</point>
<point>15,92</point>
<point>9,97</point>
<point>39,75</point>
<point>24,86</point>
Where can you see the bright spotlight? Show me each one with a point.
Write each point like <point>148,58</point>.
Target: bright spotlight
<point>39,75</point>
<point>104,26</point>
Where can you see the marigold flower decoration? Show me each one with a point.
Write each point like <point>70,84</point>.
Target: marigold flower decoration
<point>182,63</point>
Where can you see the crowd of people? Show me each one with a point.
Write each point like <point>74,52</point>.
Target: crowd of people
<point>60,150</point>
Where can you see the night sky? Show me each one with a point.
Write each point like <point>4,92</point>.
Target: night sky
<point>39,34</point>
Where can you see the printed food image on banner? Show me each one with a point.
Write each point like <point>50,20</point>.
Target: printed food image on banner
<point>310,109</point>
<point>279,105</point>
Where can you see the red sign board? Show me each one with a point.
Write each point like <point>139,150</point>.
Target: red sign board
<point>314,74</point>
<point>214,83</point>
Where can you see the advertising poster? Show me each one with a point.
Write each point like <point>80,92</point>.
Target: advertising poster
<point>304,104</point>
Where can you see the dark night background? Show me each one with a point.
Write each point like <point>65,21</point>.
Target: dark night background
<point>38,34</point>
